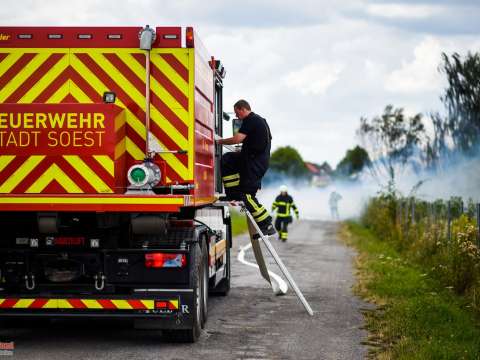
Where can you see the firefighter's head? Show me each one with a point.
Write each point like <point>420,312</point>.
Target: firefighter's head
<point>283,189</point>
<point>242,109</point>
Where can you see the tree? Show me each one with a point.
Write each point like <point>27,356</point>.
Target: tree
<point>391,139</point>
<point>353,162</point>
<point>287,161</point>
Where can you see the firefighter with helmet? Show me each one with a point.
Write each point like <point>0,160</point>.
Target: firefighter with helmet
<point>283,205</point>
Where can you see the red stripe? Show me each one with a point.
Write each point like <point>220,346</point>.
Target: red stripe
<point>53,87</point>
<point>177,65</point>
<point>107,304</point>
<point>85,86</point>
<point>15,68</point>
<point>34,78</point>
<point>138,83</point>
<point>135,138</point>
<point>164,81</point>
<point>3,56</point>
<point>32,176</point>
<point>38,303</point>
<point>136,304</point>
<point>168,142</point>
<point>8,303</point>
<point>69,99</point>
<point>11,168</point>
<point>98,169</point>
<point>75,176</point>
<point>53,188</point>
<point>77,303</point>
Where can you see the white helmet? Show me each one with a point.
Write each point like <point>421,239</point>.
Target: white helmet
<point>283,188</point>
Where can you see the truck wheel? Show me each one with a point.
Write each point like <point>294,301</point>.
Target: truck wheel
<point>205,275</point>
<point>196,279</point>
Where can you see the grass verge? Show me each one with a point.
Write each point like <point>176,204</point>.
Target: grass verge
<point>239,222</point>
<point>415,317</point>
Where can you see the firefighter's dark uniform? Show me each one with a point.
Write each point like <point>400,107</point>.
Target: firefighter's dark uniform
<point>283,204</point>
<point>242,172</point>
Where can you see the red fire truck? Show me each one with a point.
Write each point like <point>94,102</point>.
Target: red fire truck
<point>108,176</point>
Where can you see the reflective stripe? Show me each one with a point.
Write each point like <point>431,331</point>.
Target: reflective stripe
<point>232,184</point>
<point>263,217</point>
<point>256,213</point>
<point>231,177</point>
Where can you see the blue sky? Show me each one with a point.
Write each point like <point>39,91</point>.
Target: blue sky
<point>312,68</point>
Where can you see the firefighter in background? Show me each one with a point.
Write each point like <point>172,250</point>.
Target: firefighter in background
<point>283,204</point>
<point>335,197</point>
<point>242,172</point>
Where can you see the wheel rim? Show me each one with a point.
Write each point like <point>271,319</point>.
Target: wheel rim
<point>205,291</point>
<point>198,298</point>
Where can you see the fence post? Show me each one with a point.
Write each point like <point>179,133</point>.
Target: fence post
<point>449,220</point>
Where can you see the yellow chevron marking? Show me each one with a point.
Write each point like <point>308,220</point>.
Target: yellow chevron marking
<point>119,120</point>
<point>149,304</point>
<point>60,94</point>
<point>93,200</point>
<point>22,75</point>
<point>174,303</point>
<point>171,73</point>
<point>191,105</point>
<point>54,173</point>
<point>87,173</point>
<point>100,88</point>
<point>139,99</point>
<point>5,160</point>
<point>78,93</point>
<point>23,303</point>
<point>120,148</point>
<point>122,304</point>
<point>182,55</point>
<point>51,304</point>
<point>134,150</point>
<point>21,173</point>
<point>10,60</point>
<point>106,162</point>
<point>173,161</point>
<point>1,301</point>
<point>63,304</point>
<point>91,304</point>
<point>38,87</point>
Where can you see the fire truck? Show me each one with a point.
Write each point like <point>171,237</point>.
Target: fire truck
<point>109,175</point>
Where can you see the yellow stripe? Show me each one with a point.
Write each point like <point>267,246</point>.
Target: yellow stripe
<point>23,303</point>
<point>21,173</point>
<point>106,162</point>
<point>10,60</point>
<point>149,304</point>
<point>232,184</point>
<point>88,174</point>
<point>51,304</point>
<point>253,203</point>
<point>261,218</point>
<point>60,94</point>
<point>122,304</point>
<point>190,64</point>
<point>46,80</point>
<point>119,120</point>
<point>54,173</point>
<point>231,177</point>
<point>134,150</point>
<point>5,160</point>
<point>91,304</point>
<point>258,212</point>
<point>78,93</point>
<point>170,72</point>
<point>22,75</point>
<point>1,301</point>
<point>174,303</point>
<point>92,200</point>
<point>63,304</point>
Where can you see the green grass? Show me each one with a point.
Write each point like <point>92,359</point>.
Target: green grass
<point>415,318</point>
<point>239,222</point>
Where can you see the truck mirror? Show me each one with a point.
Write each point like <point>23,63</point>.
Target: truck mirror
<point>226,117</point>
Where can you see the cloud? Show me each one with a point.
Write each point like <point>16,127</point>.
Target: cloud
<point>314,78</point>
<point>421,74</point>
<point>403,11</point>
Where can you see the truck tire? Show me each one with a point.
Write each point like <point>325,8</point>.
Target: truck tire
<point>205,274</point>
<point>196,279</point>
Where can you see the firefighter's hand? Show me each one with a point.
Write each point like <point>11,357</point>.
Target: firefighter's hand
<point>216,138</point>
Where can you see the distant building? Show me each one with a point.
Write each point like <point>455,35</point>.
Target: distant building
<point>320,175</point>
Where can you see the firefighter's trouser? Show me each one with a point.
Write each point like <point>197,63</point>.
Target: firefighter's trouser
<point>281,225</point>
<point>234,189</point>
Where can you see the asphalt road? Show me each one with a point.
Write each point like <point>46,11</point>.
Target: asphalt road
<point>250,323</point>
